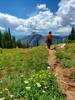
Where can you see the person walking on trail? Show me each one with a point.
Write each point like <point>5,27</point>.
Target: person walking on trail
<point>49,40</point>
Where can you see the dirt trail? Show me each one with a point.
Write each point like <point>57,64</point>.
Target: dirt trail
<point>67,85</point>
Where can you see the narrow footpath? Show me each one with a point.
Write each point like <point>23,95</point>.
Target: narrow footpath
<point>67,85</point>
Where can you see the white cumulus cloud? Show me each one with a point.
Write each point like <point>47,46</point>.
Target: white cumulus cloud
<point>2,28</point>
<point>22,28</point>
<point>44,20</point>
<point>67,12</point>
<point>64,29</point>
<point>42,7</point>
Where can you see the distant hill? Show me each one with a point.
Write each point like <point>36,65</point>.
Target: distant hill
<point>19,37</point>
<point>59,38</point>
<point>34,38</point>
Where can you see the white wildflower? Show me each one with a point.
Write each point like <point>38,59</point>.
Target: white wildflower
<point>38,84</point>
<point>2,98</point>
<point>43,91</point>
<point>11,95</point>
<point>6,89</point>
<point>63,45</point>
<point>22,75</point>
<point>28,88</point>
<point>48,67</point>
<point>45,87</point>
<point>26,82</point>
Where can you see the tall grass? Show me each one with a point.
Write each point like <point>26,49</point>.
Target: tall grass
<point>24,75</point>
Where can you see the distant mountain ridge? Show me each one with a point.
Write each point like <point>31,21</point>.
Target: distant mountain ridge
<point>32,39</point>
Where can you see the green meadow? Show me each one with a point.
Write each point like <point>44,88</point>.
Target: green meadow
<point>24,75</point>
<point>66,57</point>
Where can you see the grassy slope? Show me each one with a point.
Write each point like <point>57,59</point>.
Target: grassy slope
<point>24,75</point>
<point>67,58</point>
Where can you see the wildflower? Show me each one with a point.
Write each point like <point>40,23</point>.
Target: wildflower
<point>43,91</point>
<point>45,87</point>
<point>26,82</point>
<point>22,75</point>
<point>38,84</point>
<point>6,89</point>
<point>1,81</point>
<point>63,45</point>
<point>2,98</point>
<point>28,88</point>
<point>11,95</point>
<point>48,67</point>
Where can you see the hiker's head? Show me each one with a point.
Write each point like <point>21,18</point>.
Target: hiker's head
<point>50,33</point>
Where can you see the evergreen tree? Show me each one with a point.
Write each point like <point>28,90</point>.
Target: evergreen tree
<point>37,42</point>
<point>19,44</point>
<point>13,42</point>
<point>27,44</point>
<point>9,39</point>
<point>4,40</point>
<point>72,35</point>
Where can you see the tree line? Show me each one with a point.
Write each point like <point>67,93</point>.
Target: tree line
<point>71,36</point>
<point>9,41</point>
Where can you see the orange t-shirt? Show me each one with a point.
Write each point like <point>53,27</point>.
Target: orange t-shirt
<point>49,38</point>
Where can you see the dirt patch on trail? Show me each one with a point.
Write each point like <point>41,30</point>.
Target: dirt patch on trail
<point>67,86</point>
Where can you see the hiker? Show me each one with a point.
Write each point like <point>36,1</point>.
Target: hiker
<point>49,40</point>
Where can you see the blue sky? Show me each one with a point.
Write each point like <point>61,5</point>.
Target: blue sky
<point>41,16</point>
<point>25,8</point>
